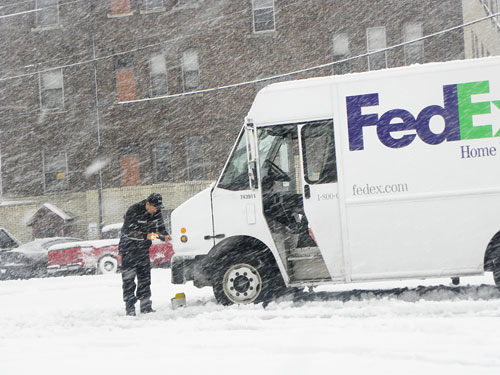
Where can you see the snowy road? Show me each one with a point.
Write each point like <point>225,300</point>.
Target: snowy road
<point>76,325</point>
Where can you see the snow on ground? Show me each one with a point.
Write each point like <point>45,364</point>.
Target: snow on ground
<point>76,325</point>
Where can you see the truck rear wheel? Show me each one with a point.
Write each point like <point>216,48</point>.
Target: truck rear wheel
<point>247,279</point>
<point>496,273</point>
<point>492,259</point>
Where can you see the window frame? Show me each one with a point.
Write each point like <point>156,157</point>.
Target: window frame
<point>420,44</point>
<point>41,9</point>
<point>185,71</point>
<point>145,6</point>
<point>164,73</point>
<point>341,67</point>
<point>220,184</point>
<point>375,49</point>
<point>309,125</point>
<point>169,170</point>
<point>198,151</point>
<point>125,73</point>
<point>254,8</point>
<point>45,171</point>
<point>112,14</point>
<point>42,90</point>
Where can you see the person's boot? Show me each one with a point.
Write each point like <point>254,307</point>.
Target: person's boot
<point>130,309</point>
<point>146,306</point>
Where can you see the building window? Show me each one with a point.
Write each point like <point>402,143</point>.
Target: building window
<point>190,69</point>
<point>55,171</point>
<point>493,7</point>
<point>120,7</point>
<point>51,90</point>
<point>341,52</point>
<point>376,40</point>
<point>152,4</point>
<point>263,15</point>
<point>158,75</point>
<point>195,158</point>
<point>186,2</point>
<point>47,13</point>
<point>475,45</point>
<point>163,162</point>
<point>125,79</point>
<point>129,165</point>
<point>414,52</point>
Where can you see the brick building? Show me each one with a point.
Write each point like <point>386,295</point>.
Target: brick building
<point>481,39</point>
<point>66,66</point>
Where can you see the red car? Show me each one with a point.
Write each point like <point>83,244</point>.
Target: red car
<point>100,256</point>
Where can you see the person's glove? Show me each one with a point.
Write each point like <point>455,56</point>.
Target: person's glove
<point>154,236</point>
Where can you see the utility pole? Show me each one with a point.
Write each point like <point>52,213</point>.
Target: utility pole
<point>92,25</point>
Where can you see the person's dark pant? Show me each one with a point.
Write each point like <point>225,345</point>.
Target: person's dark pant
<point>140,267</point>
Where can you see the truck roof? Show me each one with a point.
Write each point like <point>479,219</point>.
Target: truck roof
<point>310,99</point>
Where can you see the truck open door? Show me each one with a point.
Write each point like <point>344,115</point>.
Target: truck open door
<point>235,202</point>
<point>320,192</point>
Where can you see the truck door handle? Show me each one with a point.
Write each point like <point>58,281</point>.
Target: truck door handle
<point>307,191</point>
<point>217,237</point>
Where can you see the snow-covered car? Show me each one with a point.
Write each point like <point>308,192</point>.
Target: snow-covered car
<point>99,256</point>
<point>7,240</point>
<point>30,259</point>
<point>111,231</point>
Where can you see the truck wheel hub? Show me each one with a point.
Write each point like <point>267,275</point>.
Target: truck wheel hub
<point>242,283</point>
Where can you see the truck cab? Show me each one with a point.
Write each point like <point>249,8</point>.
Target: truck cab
<point>260,227</point>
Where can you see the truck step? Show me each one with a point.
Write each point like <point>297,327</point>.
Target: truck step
<point>305,257</point>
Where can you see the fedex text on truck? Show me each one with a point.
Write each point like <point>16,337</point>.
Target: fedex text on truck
<point>458,111</point>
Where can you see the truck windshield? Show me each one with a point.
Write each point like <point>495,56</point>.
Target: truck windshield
<point>235,176</point>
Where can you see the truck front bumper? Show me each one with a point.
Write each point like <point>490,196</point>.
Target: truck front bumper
<point>189,268</point>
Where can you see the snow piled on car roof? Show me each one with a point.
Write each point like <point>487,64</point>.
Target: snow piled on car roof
<point>42,244</point>
<point>92,243</point>
<point>112,227</point>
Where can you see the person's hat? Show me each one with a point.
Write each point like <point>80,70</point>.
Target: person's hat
<point>156,200</point>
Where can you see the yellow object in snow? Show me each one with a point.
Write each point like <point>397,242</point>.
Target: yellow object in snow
<point>179,301</point>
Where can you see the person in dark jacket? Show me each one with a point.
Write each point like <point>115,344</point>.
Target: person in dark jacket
<point>143,222</point>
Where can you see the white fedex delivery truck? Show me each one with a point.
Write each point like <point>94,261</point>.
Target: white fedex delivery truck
<point>392,174</point>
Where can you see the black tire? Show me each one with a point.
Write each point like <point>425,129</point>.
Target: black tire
<point>496,272</point>
<point>493,260</point>
<point>247,278</point>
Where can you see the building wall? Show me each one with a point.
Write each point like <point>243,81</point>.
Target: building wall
<point>481,39</point>
<point>93,125</point>
<point>15,213</point>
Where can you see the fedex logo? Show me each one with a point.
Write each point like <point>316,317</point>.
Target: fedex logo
<point>458,111</point>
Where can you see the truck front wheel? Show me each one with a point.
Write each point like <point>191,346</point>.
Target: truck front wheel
<point>247,279</point>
